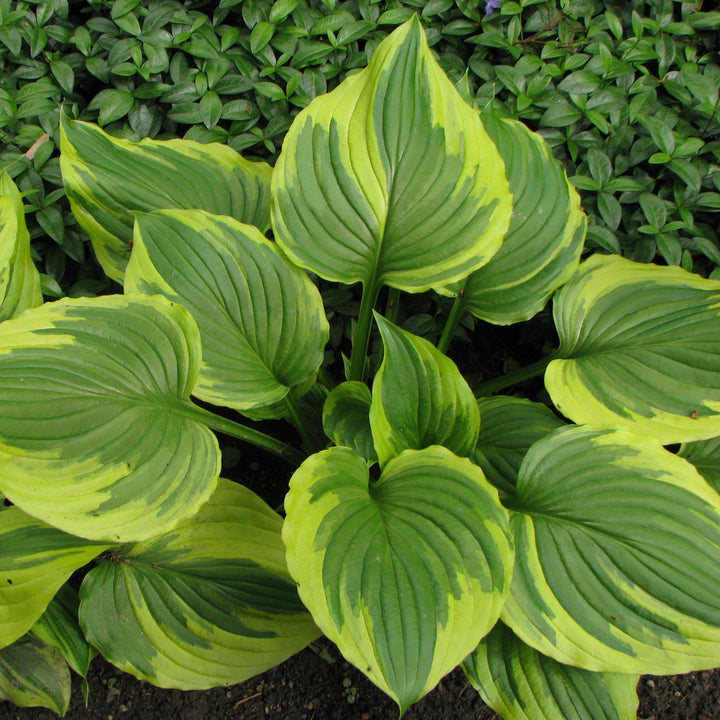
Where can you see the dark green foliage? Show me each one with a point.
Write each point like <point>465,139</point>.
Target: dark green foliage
<point>626,93</point>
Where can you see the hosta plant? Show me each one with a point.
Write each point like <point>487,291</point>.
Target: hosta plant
<point>556,555</point>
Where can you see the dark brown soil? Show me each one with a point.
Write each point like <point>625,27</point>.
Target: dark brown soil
<point>322,686</point>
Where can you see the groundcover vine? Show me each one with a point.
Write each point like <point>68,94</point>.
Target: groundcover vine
<point>427,523</point>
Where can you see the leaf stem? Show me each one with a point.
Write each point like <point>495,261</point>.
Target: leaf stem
<point>362,331</point>
<point>515,377</point>
<point>456,313</point>
<point>242,432</point>
<point>311,441</point>
<point>392,305</point>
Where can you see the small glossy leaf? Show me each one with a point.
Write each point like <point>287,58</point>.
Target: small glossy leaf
<point>542,247</point>
<point>639,347</point>
<point>35,561</point>
<point>520,683</point>
<point>705,456</point>
<point>617,555</point>
<point>98,436</point>
<point>419,398</point>
<point>262,324</point>
<point>58,626</point>
<point>33,674</point>
<point>404,574</point>
<point>508,427</point>
<point>391,178</point>
<point>109,179</point>
<point>19,278</point>
<point>208,603</point>
<point>346,418</point>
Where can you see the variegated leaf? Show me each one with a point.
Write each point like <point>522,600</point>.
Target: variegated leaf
<point>520,683</point>
<point>617,564</point>
<point>420,398</point>
<point>19,278</point>
<point>639,348</point>
<point>35,561</point>
<point>542,247</point>
<point>109,179</point>
<point>34,674</point>
<point>508,427</point>
<point>98,436</point>
<point>261,320</point>
<point>405,574</point>
<point>391,178</point>
<point>705,456</point>
<point>208,603</point>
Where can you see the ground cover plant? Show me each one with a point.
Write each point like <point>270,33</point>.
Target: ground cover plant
<point>427,524</point>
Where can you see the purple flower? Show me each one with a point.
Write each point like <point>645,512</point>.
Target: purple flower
<point>491,5</point>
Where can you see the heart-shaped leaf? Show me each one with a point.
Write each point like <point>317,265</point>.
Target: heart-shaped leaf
<point>98,436</point>
<point>208,603</point>
<point>34,674</point>
<point>508,427</point>
<point>261,320</point>
<point>617,564</point>
<point>107,179</point>
<point>420,398</point>
<point>542,247</point>
<point>391,178</point>
<point>520,683</point>
<point>405,574</point>
<point>19,278</point>
<point>35,561</point>
<point>346,418</point>
<point>639,347</point>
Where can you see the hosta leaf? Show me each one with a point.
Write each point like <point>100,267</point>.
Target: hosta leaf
<point>262,324</point>
<point>97,433</point>
<point>391,178</point>
<point>108,179</point>
<point>19,278</point>
<point>617,555</point>
<point>58,626</point>
<point>404,574</point>
<point>520,683</point>
<point>346,418</point>
<point>542,247</point>
<point>35,561</point>
<point>639,347</point>
<point>508,427</point>
<point>420,398</point>
<point>705,456</point>
<point>209,603</point>
<point>33,674</point>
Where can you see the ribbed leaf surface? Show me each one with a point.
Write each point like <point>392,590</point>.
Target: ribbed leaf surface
<point>640,347</point>
<point>58,626</point>
<point>108,179</point>
<point>705,456</point>
<point>391,177</point>
<point>508,427</point>
<point>520,683</point>
<point>346,418</point>
<point>617,555</point>
<point>209,603</point>
<point>404,574</point>
<point>35,561</point>
<point>96,429</point>
<point>542,247</point>
<point>420,398</point>
<point>261,320</point>
<point>19,278</point>
<point>33,674</point>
